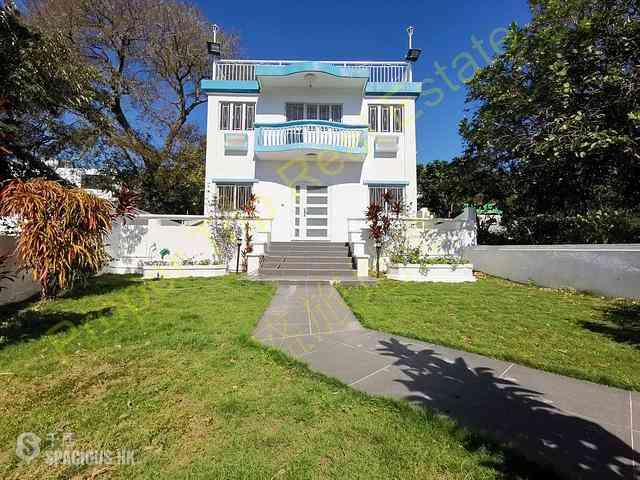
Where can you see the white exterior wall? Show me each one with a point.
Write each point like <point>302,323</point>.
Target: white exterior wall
<point>348,192</point>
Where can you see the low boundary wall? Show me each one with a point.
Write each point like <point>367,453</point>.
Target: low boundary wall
<point>23,286</point>
<point>608,270</point>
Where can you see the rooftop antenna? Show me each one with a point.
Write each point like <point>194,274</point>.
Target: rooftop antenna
<point>413,53</point>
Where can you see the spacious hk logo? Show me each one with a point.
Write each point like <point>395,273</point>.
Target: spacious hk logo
<point>28,446</point>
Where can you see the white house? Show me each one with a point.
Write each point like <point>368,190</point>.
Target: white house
<point>315,141</point>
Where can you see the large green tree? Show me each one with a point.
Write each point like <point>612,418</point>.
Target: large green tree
<point>150,57</point>
<point>558,117</point>
<point>41,79</point>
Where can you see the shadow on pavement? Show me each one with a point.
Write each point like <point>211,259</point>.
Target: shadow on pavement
<point>478,399</point>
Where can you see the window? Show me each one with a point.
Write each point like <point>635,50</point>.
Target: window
<point>373,118</point>
<point>295,111</point>
<point>314,111</point>
<point>376,194</point>
<point>386,118</point>
<point>250,116</point>
<point>233,196</point>
<point>237,116</point>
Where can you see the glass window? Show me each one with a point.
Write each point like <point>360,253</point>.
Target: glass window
<point>237,116</point>
<point>295,111</point>
<point>385,118</point>
<point>376,194</point>
<point>373,118</point>
<point>325,112</point>
<point>312,111</point>
<point>225,115</point>
<point>336,113</point>
<point>397,118</point>
<point>250,116</point>
<point>233,196</point>
<point>233,116</point>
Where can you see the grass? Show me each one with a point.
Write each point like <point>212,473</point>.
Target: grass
<point>570,333</point>
<point>168,369</point>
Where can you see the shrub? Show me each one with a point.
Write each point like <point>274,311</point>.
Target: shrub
<point>595,226</point>
<point>62,230</point>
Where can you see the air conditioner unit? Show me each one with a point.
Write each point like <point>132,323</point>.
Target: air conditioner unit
<point>236,143</point>
<point>386,146</point>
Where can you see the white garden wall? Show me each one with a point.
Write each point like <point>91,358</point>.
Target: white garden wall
<point>23,286</point>
<point>610,270</point>
<point>185,236</point>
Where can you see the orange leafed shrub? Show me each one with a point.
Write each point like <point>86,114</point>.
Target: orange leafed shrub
<point>62,231</point>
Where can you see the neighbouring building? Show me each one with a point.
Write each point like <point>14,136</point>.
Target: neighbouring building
<point>315,141</point>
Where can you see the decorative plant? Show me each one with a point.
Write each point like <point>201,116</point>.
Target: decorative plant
<point>224,230</point>
<point>164,252</point>
<point>249,209</point>
<point>379,226</point>
<point>62,230</point>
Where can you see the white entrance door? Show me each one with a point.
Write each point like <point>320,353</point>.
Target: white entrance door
<point>311,213</point>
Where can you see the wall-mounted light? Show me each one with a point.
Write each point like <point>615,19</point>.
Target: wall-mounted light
<point>310,78</point>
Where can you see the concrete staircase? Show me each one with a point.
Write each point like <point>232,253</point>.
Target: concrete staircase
<point>307,260</point>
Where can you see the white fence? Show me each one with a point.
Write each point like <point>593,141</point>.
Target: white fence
<point>609,270</point>
<point>244,70</point>
<point>23,285</point>
<point>436,236</point>
<point>183,236</point>
<point>325,135</point>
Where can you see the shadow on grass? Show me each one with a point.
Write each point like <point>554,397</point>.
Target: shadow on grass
<point>31,324</point>
<point>511,414</point>
<point>103,284</point>
<point>621,323</point>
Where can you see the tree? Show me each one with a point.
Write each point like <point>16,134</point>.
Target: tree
<point>150,57</point>
<point>558,122</point>
<point>440,188</point>
<point>62,230</point>
<point>40,80</point>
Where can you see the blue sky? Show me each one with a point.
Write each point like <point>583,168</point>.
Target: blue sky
<point>375,30</point>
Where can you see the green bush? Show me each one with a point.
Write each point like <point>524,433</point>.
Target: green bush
<point>595,226</point>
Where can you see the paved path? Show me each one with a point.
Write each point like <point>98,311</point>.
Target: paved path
<point>583,429</point>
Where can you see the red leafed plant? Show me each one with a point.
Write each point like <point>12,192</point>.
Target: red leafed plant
<point>250,209</point>
<point>62,230</point>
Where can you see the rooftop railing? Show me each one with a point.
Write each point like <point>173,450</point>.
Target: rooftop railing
<point>378,71</point>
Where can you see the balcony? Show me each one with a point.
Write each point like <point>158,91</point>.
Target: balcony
<point>311,140</point>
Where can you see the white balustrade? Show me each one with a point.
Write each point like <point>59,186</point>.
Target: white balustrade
<point>323,135</point>
<point>378,71</point>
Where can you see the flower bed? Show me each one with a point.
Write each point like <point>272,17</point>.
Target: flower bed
<point>431,273</point>
<point>440,269</point>
<point>162,269</point>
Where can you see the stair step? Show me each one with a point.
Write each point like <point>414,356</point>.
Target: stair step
<point>308,272</point>
<point>308,265</point>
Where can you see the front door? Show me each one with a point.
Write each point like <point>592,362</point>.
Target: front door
<point>311,213</point>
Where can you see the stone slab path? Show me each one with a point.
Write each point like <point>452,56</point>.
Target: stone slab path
<point>582,429</point>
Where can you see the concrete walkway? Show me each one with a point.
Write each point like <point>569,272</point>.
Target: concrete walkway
<point>582,429</point>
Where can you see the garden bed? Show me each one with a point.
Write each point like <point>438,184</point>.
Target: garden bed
<point>182,271</point>
<point>431,273</point>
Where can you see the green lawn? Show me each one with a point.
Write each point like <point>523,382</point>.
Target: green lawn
<point>167,368</point>
<point>565,332</point>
